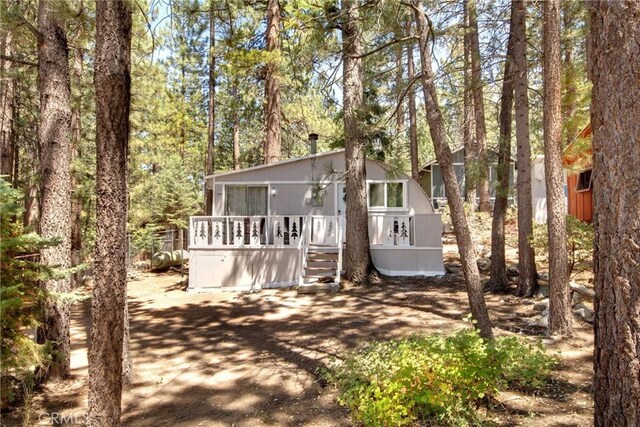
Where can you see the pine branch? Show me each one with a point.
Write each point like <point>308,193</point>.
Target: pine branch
<point>18,60</point>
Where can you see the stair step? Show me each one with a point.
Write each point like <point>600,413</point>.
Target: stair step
<point>322,264</point>
<point>316,272</point>
<point>318,288</point>
<point>319,256</point>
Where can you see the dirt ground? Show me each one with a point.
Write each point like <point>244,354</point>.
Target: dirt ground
<point>248,359</point>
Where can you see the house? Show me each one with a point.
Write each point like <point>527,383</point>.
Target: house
<point>433,184</point>
<point>577,162</point>
<point>283,224</point>
<point>538,190</point>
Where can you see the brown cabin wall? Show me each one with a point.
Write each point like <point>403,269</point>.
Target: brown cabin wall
<point>580,202</point>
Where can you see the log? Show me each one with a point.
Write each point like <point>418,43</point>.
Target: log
<point>164,260</point>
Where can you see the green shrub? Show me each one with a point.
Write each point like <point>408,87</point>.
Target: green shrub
<point>21,298</point>
<point>580,236</point>
<point>434,377</point>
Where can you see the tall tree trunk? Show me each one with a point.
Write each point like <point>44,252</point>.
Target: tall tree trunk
<point>211,136</point>
<point>443,155</point>
<point>560,316</point>
<point>113,93</point>
<point>76,133</point>
<point>498,279</point>
<point>7,104</point>
<point>357,254</point>
<point>236,125</point>
<point>468,125</point>
<point>484,204</point>
<point>569,67</point>
<point>614,53</point>
<point>272,88</point>
<point>527,280</point>
<point>54,134</point>
<point>413,121</point>
<point>400,113</point>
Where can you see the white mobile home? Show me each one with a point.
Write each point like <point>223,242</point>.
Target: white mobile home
<point>282,224</point>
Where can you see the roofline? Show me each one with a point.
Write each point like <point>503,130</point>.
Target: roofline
<point>268,165</point>
<point>434,161</point>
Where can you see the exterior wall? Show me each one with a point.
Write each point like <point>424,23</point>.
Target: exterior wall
<point>580,203</point>
<point>428,230</point>
<point>538,190</point>
<point>408,261</point>
<point>253,268</point>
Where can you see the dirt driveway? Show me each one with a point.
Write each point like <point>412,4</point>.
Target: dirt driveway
<point>251,359</point>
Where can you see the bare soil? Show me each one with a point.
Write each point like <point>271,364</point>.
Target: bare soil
<point>248,359</point>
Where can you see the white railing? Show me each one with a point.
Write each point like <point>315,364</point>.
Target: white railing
<point>246,231</point>
<point>391,230</point>
<point>340,239</point>
<point>303,248</point>
<point>288,231</point>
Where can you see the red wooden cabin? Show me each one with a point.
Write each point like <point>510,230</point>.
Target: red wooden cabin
<point>577,161</point>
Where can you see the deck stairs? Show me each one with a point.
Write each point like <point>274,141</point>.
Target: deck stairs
<point>320,270</point>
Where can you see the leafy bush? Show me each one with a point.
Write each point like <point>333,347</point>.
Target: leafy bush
<point>21,298</point>
<point>580,236</point>
<point>434,377</point>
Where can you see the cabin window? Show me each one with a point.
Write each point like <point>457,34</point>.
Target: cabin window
<point>386,195</point>
<point>246,200</point>
<point>584,181</point>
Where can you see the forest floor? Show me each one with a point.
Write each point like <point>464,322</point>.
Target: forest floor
<point>248,359</point>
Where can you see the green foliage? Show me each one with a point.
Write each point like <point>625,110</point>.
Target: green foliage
<point>21,298</point>
<point>435,377</point>
<point>580,236</point>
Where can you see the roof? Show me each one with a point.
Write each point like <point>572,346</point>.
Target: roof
<point>268,165</point>
<point>435,161</point>
<point>578,154</point>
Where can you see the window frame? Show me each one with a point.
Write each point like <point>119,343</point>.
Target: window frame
<point>386,182</point>
<point>589,187</point>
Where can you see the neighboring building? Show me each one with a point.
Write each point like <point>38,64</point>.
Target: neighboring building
<point>433,184</point>
<point>538,190</point>
<point>577,160</point>
<point>282,224</point>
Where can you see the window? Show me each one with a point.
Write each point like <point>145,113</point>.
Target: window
<point>584,181</point>
<point>386,195</point>
<point>246,200</point>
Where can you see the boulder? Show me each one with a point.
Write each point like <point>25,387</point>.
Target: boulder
<point>582,290</point>
<point>512,271</point>
<point>584,311</point>
<point>484,264</point>
<point>452,267</point>
<point>543,289</point>
<point>541,305</point>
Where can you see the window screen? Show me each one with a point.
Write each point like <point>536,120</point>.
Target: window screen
<point>395,196</point>
<point>584,181</point>
<point>246,200</point>
<point>376,195</point>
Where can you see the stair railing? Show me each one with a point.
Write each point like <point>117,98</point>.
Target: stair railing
<point>340,244</point>
<point>303,248</point>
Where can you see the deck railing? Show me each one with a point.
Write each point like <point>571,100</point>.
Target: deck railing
<point>287,231</point>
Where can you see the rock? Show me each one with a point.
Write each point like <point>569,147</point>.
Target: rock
<point>512,271</point>
<point>545,312</point>
<point>484,264</point>
<point>582,290</point>
<point>543,276</point>
<point>453,267</point>
<point>576,299</point>
<point>543,289</point>
<point>541,305</point>
<point>584,311</point>
<point>544,321</point>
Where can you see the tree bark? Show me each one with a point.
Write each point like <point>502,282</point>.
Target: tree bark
<point>468,124</point>
<point>357,254</point>
<point>76,134</point>
<point>272,88</point>
<point>614,53</point>
<point>400,112</point>
<point>211,136</point>
<point>413,121</point>
<point>113,93</point>
<point>54,134</point>
<point>484,204</point>
<point>560,316</point>
<point>569,68</point>
<point>236,125</point>
<point>498,280</point>
<point>7,104</point>
<point>443,155</point>
<point>527,278</point>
